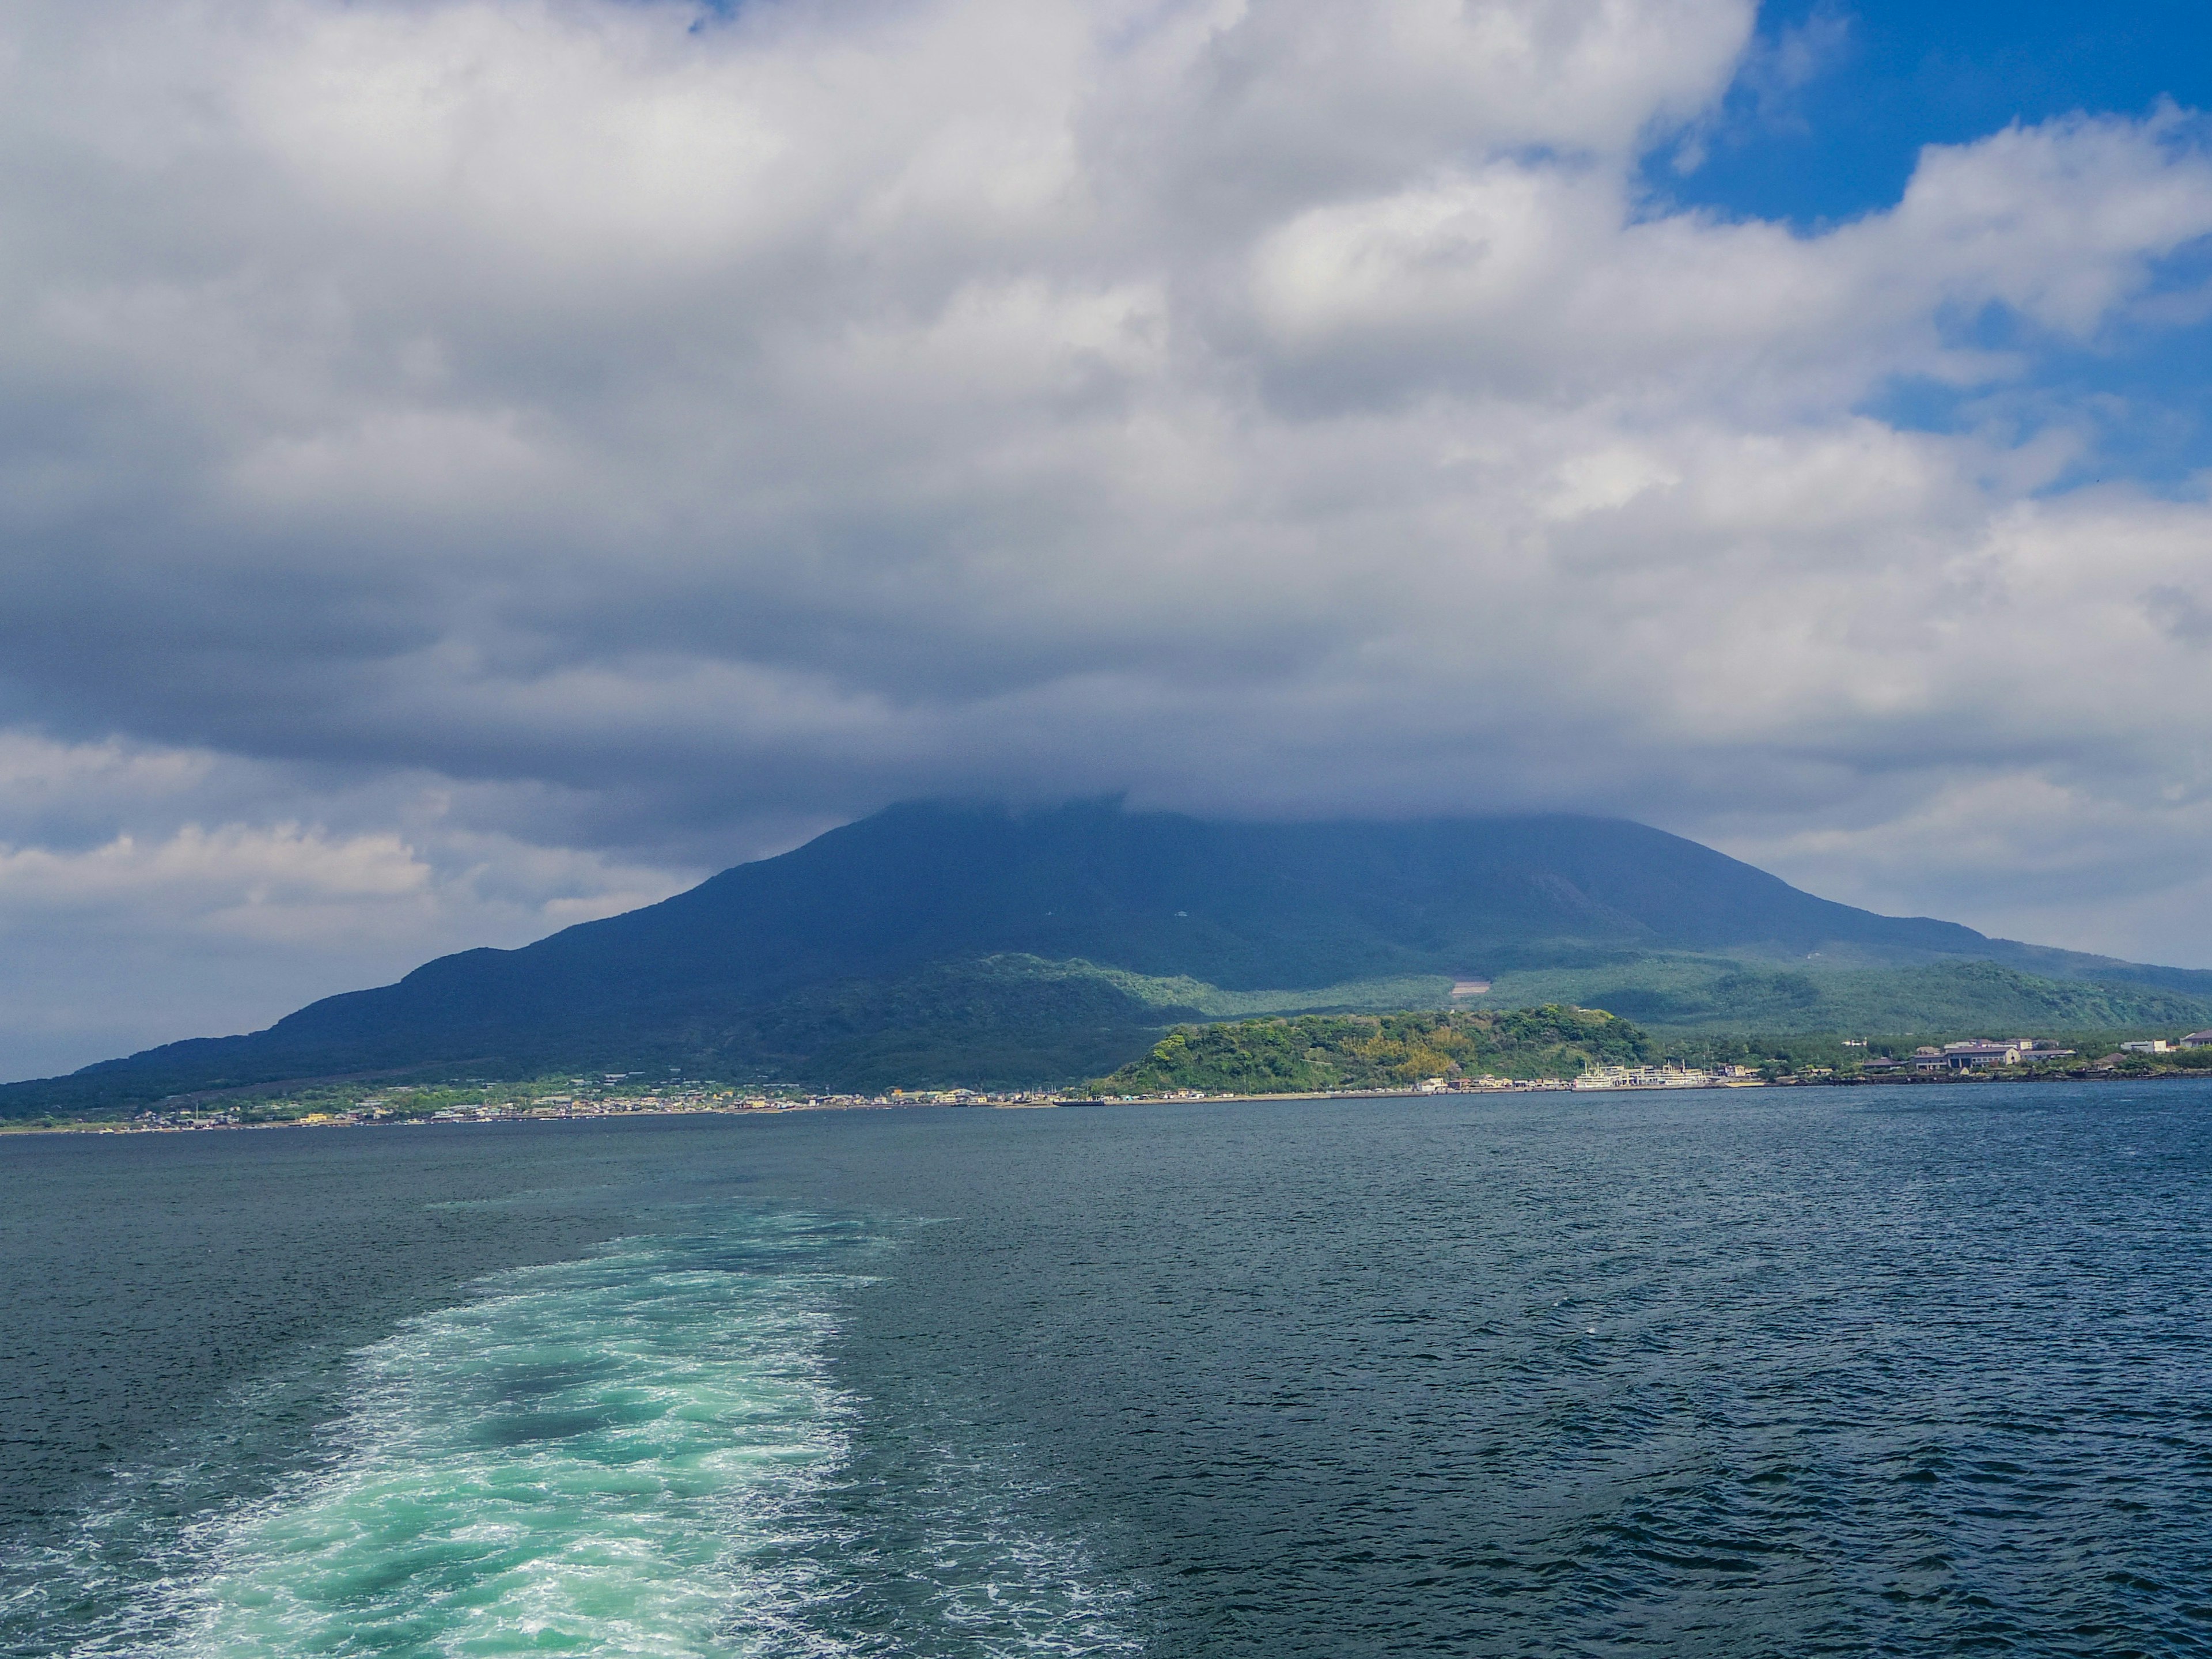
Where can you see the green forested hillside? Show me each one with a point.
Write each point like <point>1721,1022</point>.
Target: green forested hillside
<point>1355,1051</point>
<point>1705,992</point>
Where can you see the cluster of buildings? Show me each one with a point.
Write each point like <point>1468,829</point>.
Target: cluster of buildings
<point>587,1098</point>
<point>1983,1055</point>
<point>2161,1046</point>
<point>701,1100</point>
<point>1663,1077</point>
<point>1978,1055</point>
<point>1604,1077</point>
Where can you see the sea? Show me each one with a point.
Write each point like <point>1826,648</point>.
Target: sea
<point>1920,1370</point>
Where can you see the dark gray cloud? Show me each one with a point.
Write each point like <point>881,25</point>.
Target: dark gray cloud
<point>467,465</point>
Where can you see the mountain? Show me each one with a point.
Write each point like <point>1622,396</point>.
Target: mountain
<point>942,941</point>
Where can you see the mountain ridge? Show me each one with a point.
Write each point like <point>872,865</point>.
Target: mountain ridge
<point>1064,923</point>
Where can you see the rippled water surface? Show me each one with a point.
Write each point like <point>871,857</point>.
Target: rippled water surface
<point>1904,1371</point>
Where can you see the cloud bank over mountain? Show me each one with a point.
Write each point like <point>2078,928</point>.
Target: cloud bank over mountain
<point>474,465</point>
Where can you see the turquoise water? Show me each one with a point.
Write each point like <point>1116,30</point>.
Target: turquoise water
<point>634,1453</point>
<point>1897,1372</point>
<point>629,1454</point>
<point>616,1454</point>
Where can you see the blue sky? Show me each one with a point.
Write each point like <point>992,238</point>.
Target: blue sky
<point>470,465</point>
<point>1828,118</point>
<point>1837,100</point>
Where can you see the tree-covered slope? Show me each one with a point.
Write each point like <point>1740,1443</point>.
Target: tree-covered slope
<point>1723,993</point>
<point>1354,1051</point>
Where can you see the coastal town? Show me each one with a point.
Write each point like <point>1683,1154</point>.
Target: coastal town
<point>613,1096</point>
<point>626,1095</point>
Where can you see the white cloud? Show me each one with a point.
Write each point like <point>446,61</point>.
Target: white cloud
<point>269,869</point>
<point>2029,852</point>
<point>179,927</point>
<point>654,434</point>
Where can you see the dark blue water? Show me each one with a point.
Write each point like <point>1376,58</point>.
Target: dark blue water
<point>1908,1372</point>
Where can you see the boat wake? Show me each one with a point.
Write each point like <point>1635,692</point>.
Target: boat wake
<point>643,1453</point>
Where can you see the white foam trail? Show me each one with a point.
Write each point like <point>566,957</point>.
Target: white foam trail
<point>600,1457</point>
<point>642,1453</point>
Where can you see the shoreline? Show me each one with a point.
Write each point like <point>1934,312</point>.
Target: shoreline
<point>756,1108</point>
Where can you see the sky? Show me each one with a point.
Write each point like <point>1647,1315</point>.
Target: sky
<point>469,466</point>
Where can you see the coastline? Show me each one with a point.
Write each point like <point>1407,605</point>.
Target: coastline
<point>758,1106</point>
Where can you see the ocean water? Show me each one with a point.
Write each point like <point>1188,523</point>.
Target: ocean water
<point>1902,1372</point>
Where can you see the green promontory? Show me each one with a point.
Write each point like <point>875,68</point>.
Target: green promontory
<point>1315,1051</point>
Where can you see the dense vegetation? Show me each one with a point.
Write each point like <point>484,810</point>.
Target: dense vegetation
<point>1370,1051</point>
<point>1313,1053</point>
<point>1709,993</point>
